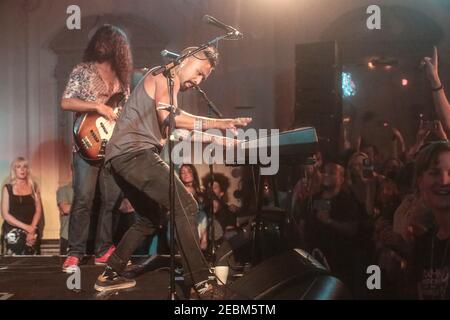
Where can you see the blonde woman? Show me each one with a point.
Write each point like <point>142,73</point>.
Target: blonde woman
<point>21,210</point>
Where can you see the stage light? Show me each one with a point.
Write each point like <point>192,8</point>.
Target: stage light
<point>348,86</point>
<point>386,62</point>
<point>404,82</point>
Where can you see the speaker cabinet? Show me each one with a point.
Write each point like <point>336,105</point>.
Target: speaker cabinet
<point>293,275</point>
<point>318,92</point>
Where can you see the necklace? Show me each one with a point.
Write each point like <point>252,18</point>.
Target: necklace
<point>445,252</point>
<point>444,258</point>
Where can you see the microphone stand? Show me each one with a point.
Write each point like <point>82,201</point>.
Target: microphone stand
<point>168,71</point>
<point>211,227</point>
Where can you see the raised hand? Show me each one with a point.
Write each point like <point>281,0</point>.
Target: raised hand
<point>431,66</point>
<point>422,133</point>
<point>439,130</point>
<point>396,133</point>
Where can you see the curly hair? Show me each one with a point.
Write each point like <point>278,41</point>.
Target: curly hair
<point>110,44</point>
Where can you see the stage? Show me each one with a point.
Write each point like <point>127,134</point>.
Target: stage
<point>41,278</point>
<point>291,275</point>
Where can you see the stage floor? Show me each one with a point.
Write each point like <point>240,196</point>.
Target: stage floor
<point>41,277</point>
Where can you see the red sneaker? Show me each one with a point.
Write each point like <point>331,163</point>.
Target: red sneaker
<point>70,264</point>
<point>104,258</point>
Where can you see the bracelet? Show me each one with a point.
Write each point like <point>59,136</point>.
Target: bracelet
<point>198,124</point>
<point>208,123</point>
<point>438,88</point>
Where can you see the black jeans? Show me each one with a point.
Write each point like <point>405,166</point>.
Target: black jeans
<point>85,179</point>
<point>144,179</point>
<point>63,245</point>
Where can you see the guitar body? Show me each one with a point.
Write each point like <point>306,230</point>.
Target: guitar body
<point>92,131</point>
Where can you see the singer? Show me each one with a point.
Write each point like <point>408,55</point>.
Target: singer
<point>132,155</point>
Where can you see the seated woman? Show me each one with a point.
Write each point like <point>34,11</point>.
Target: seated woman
<point>217,203</point>
<point>189,176</point>
<point>21,210</point>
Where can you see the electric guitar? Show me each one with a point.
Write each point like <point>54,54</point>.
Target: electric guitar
<point>92,131</point>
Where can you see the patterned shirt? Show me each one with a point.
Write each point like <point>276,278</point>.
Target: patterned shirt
<point>86,84</point>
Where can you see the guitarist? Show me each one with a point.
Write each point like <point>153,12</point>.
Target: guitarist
<point>105,71</point>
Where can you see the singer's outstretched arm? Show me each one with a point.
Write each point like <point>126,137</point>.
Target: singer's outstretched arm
<point>156,86</point>
<point>440,100</point>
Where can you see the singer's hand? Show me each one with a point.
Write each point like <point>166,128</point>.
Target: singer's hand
<point>232,124</point>
<point>242,122</point>
<point>431,65</point>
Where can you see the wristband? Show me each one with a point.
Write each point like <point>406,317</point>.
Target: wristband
<point>198,124</point>
<point>438,88</point>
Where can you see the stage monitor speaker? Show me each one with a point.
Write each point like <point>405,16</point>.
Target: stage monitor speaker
<point>293,275</point>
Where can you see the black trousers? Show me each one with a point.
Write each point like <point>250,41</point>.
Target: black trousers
<point>144,179</point>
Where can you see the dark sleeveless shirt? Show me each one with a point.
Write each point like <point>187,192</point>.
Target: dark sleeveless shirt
<point>20,207</point>
<point>137,127</point>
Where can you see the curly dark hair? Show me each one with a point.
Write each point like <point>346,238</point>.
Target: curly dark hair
<point>110,44</point>
<point>220,178</point>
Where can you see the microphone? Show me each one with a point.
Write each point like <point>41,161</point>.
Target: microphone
<point>229,29</point>
<point>170,55</point>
